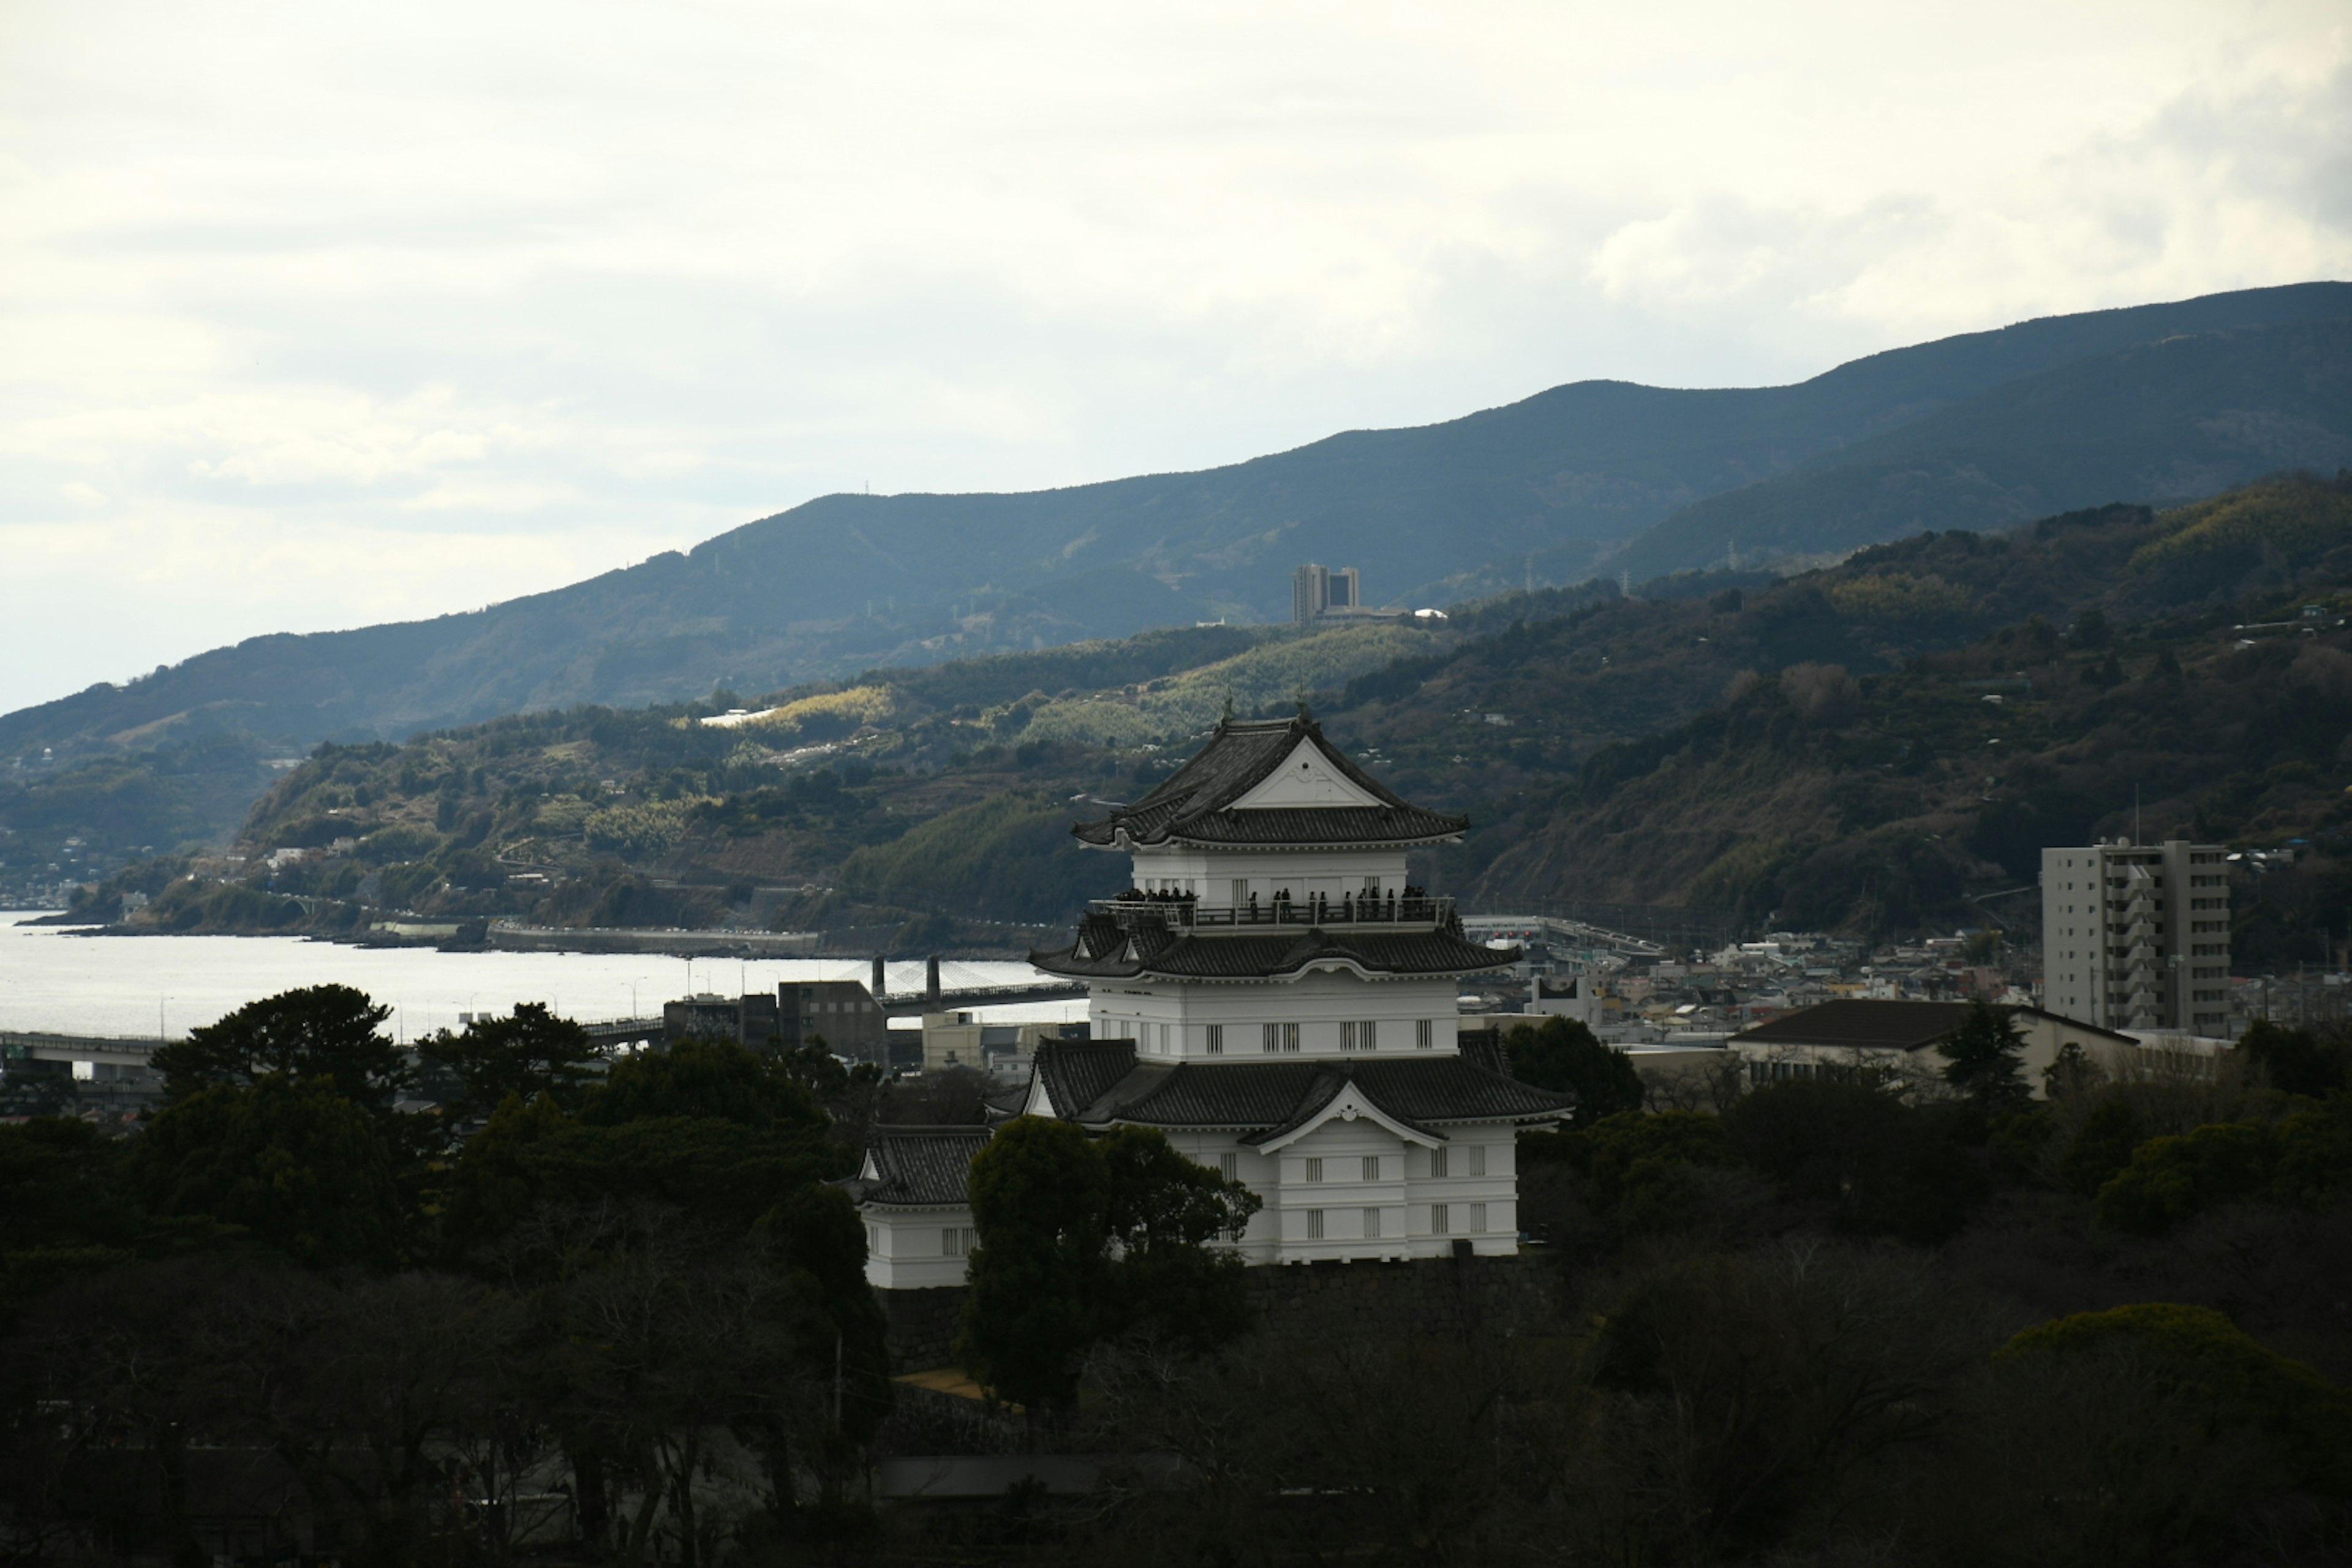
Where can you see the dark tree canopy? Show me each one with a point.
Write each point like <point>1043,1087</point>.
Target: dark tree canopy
<point>296,1163</point>
<point>717,1080</point>
<point>1984,1058</point>
<point>529,1053</point>
<point>2296,1061</point>
<point>1083,1239</point>
<point>323,1031</point>
<point>1561,1054</point>
<point>1041,1203</point>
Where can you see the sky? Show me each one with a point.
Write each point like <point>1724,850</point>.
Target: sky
<point>319,314</point>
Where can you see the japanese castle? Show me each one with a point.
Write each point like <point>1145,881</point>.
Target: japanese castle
<point>1273,995</point>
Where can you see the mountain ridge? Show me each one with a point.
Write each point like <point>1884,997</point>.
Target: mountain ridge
<point>1538,488</point>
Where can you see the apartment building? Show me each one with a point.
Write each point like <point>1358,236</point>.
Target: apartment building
<point>2136,936</point>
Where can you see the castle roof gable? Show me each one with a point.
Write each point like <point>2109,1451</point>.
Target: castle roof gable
<point>1270,780</point>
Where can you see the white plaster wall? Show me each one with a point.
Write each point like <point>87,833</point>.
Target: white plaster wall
<point>902,1248</point>
<point>1317,1003</point>
<point>1211,873</point>
<point>1343,1194</point>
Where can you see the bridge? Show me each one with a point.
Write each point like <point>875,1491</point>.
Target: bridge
<point>19,1045</point>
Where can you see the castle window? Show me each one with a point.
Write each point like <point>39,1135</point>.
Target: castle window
<point>873,1238</point>
<point>1290,1036</point>
<point>1478,1219</point>
<point>1269,1043</point>
<point>1437,1161</point>
<point>1424,1033</point>
<point>1230,1167</point>
<point>1240,892</point>
<point>1372,1224</point>
<point>1348,1037</point>
<point>1368,1034</point>
<point>957,1241</point>
<point>1477,1159</point>
<point>1371,886</point>
<point>1314,1225</point>
<point>1216,1040</point>
<point>1439,1222</point>
<point>1314,1169</point>
<point>1371,1167</point>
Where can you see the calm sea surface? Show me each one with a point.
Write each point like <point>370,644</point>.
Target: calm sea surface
<point>146,986</point>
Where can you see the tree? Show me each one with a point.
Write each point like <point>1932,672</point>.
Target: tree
<point>1878,1164</point>
<point>710,1079</point>
<point>2170,1179</point>
<point>1040,1202</point>
<point>1561,1054</point>
<point>1626,1155</point>
<point>1985,1056</point>
<point>529,1053</point>
<point>1753,1382</point>
<point>2235,1375</point>
<point>1081,1240</point>
<point>2295,1061</point>
<point>321,1031</point>
<point>2101,1147</point>
<point>1164,1215</point>
<point>297,1165</point>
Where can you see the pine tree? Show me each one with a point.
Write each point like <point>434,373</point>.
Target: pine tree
<point>1984,1058</point>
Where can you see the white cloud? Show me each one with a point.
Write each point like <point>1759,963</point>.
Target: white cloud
<point>469,285</point>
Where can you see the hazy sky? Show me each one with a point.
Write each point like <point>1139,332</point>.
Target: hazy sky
<point>318,314</point>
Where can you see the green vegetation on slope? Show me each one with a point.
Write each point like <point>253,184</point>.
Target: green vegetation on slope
<point>1971,431</point>
<point>1865,748</point>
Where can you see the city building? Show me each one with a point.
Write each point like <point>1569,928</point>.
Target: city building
<point>1853,1039</point>
<point>748,1020</point>
<point>842,1013</point>
<point>845,1014</point>
<point>2138,936</point>
<point>1336,594</point>
<point>1316,590</point>
<point>1274,996</point>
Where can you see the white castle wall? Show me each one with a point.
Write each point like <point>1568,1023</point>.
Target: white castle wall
<point>1170,1022</point>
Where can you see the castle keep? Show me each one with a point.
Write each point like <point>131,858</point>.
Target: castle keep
<point>1271,993</point>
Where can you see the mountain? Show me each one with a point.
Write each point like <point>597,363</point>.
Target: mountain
<point>1872,747</point>
<point>2161,421</point>
<point>1543,488</point>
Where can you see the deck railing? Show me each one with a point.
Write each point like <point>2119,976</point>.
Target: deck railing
<point>1175,911</point>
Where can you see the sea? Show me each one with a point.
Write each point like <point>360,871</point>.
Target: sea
<point>54,981</point>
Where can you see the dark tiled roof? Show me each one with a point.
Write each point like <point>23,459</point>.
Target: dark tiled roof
<point>1861,1026</point>
<point>1076,1072</point>
<point>1483,1048</point>
<point>1856,1024</point>
<point>924,1165</point>
<point>1104,1084</point>
<point>1193,802</point>
<point>1194,956</point>
<point>1270,1095</point>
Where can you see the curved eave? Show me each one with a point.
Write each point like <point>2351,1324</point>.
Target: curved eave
<point>1186,841</point>
<point>1333,963</point>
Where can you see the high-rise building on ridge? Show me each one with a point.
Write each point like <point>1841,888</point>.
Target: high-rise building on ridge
<point>1316,590</point>
<point>2138,936</point>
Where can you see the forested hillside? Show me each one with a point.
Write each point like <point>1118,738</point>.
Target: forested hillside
<point>2156,403</point>
<point>1879,747</point>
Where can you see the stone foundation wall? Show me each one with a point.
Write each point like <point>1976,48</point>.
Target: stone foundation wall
<point>1451,1298</point>
<point>922,1325</point>
<point>1313,1302</point>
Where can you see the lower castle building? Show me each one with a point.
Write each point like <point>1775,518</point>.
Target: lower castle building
<point>1272,995</point>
